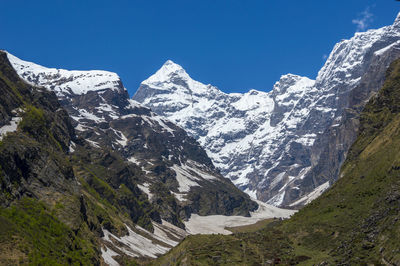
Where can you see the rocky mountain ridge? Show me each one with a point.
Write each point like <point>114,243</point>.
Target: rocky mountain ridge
<point>285,146</point>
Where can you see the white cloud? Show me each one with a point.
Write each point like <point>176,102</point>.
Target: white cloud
<point>364,19</point>
<point>324,57</point>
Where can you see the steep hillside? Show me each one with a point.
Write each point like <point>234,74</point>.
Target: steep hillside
<point>355,222</point>
<point>286,146</point>
<point>35,135</point>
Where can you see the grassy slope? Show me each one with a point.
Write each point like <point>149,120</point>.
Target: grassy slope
<point>31,234</point>
<point>355,222</point>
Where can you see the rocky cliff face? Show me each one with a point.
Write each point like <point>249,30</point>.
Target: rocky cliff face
<point>35,134</point>
<point>286,146</point>
<point>177,175</point>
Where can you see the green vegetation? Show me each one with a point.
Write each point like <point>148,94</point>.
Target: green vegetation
<point>123,198</point>
<point>251,227</point>
<point>356,222</point>
<point>11,85</point>
<point>33,120</point>
<point>221,200</point>
<point>30,234</point>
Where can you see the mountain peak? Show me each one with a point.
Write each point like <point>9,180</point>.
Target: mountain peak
<point>171,67</point>
<point>77,82</point>
<point>168,70</point>
<point>295,82</point>
<point>289,78</point>
<point>170,62</point>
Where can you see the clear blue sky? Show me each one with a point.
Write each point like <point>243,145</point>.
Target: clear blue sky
<point>234,44</point>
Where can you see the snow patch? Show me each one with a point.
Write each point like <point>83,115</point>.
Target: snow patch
<point>12,127</point>
<point>307,139</point>
<point>277,199</point>
<point>312,195</point>
<point>136,245</point>
<point>65,81</point>
<point>216,224</point>
<point>134,160</point>
<point>387,48</point>
<point>93,143</point>
<point>121,138</point>
<point>81,127</point>
<point>179,196</point>
<point>142,243</point>
<point>72,146</point>
<point>185,179</point>
<point>107,254</point>
<point>145,187</point>
<point>84,114</point>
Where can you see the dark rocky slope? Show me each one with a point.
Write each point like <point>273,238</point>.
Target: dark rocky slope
<point>35,167</point>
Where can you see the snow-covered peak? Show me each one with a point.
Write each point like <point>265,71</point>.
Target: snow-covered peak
<point>166,72</point>
<point>253,100</point>
<point>172,65</point>
<point>345,64</point>
<point>289,78</point>
<point>172,78</point>
<point>292,84</point>
<point>65,82</point>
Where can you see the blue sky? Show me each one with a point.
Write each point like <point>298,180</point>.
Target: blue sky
<point>234,44</point>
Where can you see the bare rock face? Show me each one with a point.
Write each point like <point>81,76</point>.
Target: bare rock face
<point>176,173</point>
<point>285,146</point>
<point>34,134</point>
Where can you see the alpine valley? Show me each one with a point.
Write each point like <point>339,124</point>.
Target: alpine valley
<point>90,176</point>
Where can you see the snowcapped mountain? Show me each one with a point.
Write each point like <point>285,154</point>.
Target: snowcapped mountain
<point>240,132</point>
<point>225,124</point>
<point>178,177</point>
<point>285,146</point>
<point>66,82</point>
